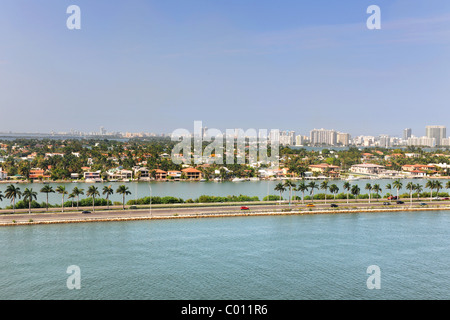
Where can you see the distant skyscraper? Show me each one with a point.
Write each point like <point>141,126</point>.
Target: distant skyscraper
<point>322,136</point>
<point>385,141</point>
<point>287,138</point>
<point>436,132</point>
<point>407,133</point>
<point>343,138</point>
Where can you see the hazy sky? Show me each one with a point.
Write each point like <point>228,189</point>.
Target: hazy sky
<point>155,66</point>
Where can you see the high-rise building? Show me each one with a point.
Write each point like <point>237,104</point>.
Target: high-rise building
<point>322,136</point>
<point>421,141</point>
<point>436,132</point>
<point>385,141</point>
<point>343,138</point>
<point>300,140</point>
<point>407,133</point>
<point>287,138</point>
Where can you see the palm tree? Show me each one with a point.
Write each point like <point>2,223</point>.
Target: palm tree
<point>13,193</point>
<point>397,184</point>
<point>355,191</point>
<point>280,187</point>
<point>389,187</point>
<point>47,189</point>
<point>77,192</point>
<point>312,185</point>
<point>62,190</point>
<point>289,184</point>
<point>418,187</point>
<point>324,186</point>
<point>71,197</point>
<point>334,189</point>
<point>302,187</point>
<point>347,187</point>
<point>438,186</point>
<point>92,192</point>
<point>108,190</point>
<point>29,195</point>
<point>369,187</point>
<point>430,184</point>
<point>377,189</point>
<point>1,196</point>
<point>411,187</point>
<point>123,190</point>
<point>447,185</point>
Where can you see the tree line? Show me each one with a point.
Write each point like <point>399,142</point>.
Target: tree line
<point>12,192</point>
<point>355,190</point>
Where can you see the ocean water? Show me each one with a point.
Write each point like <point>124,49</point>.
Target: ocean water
<point>279,258</point>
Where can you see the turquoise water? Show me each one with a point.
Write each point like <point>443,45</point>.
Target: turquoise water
<point>281,258</point>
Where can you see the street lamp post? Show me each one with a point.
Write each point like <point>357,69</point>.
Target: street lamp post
<point>149,185</point>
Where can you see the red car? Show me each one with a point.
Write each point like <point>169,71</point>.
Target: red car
<point>392,198</point>
<point>245,208</point>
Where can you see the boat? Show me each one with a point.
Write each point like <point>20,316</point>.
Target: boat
<point>352,178</point>
<point>237,180</point>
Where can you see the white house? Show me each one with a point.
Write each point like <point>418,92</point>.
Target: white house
<point>367,168</point>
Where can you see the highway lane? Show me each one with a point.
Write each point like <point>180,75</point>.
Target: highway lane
<point>196,211</point>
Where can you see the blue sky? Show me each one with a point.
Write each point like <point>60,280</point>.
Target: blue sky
<point>155,66</point>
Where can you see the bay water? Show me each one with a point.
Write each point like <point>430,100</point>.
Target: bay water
<point>292,257</point>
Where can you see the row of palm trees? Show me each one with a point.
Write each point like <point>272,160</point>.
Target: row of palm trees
<point>355,189</point>
<point>12,192</point>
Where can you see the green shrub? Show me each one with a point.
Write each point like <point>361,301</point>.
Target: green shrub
<point>272,197</point>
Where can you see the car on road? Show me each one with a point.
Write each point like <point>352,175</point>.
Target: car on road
<point>333,205</point>
<point>436,198</point>
<point>423,204</point>
<point>392,198</point>
<point>245,208</point>
<point>446,198</point>
<point>85,211</point>
<point>400,202</point>
<point>310,205</point>
<point>386,203</point>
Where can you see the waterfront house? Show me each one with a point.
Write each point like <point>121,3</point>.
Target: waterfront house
<point>324,168</point>
<point>92,176</point>
<point>174,174</point>
<point>367,168</point>
<point>418,173</point>
<point>141,172</point>
<point>192,173</point>
<point>37,173</point>
<point>160,174</point>
<point>120,174</point>
<point>422,167</point>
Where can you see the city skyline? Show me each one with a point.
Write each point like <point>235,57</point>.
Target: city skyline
<point>435,135</point>
<point>158,66</point>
